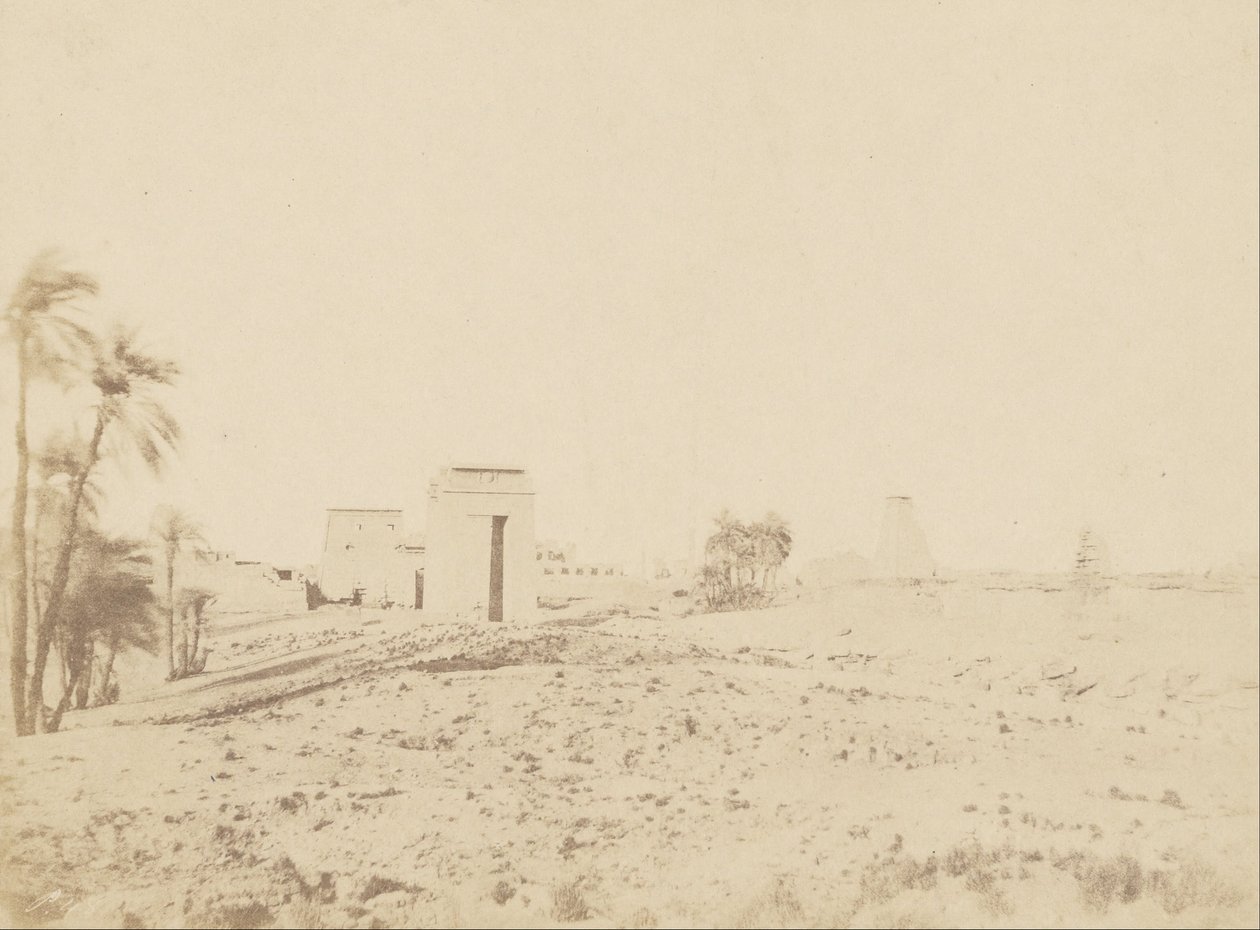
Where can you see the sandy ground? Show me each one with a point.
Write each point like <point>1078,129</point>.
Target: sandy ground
<point>941,756</point>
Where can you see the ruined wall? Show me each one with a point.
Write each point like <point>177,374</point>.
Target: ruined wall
<point>239,586</point>
<point>363,549</point>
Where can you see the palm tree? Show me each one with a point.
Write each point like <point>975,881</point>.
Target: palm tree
<point>133,628</point>
<point>173,529</point>
<point>130,410</point>
<point>193,603</point>
<point>110,603</point>
<point>48,343</point>
<point>714,583</point>
<point>773,542</point>
<point>732,558</point>
<point>729,546</point>
<point>56,463</point>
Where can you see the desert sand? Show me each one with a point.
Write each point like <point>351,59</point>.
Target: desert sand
<point>948,754</point>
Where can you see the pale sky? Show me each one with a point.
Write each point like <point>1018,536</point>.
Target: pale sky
<point>999,257</point>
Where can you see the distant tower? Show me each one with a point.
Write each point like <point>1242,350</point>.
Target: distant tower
<point>903,549</point>
<point>1092,559</point>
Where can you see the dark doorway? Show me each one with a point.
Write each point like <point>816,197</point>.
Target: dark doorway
<point>496,568</point>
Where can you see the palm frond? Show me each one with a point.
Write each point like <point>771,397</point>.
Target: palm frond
<point>61,454</point>
<point>175,529</point>
<point>110,594</point>
<point>46,283</point>
<point>56,347</point>
<point>128,379</point>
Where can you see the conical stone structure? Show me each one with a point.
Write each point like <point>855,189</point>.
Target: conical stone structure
<point>903,549</point>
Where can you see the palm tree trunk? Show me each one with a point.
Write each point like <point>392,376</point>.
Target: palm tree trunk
<point>36,608</point>
<point>63,660</point>
<point>33,560</point>
<point>53,723</point>
<point>102,685</point>
<point>83,689</point>
<point>196,640</point>
<point>17,657</point>
<point>170,615</point>
<point>60,580</point>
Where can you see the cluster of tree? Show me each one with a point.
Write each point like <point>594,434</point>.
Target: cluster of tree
<point>75,589</point>
<point>742,560</point>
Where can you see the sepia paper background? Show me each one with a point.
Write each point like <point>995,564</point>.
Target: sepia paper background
<point>672,258</point>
